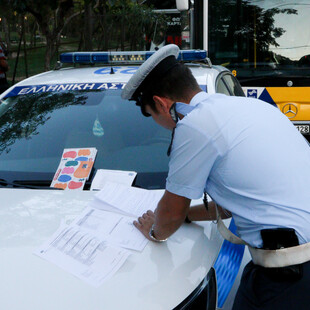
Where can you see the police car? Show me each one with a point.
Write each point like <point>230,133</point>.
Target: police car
<point>80,107</point>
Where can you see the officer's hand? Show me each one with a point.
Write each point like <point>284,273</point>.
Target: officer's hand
<point>145,223</point>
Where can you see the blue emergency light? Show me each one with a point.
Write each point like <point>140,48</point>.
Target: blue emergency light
<point>125,57</point>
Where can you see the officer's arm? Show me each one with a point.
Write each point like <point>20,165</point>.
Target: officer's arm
<point>200,213</point>
<point>167,218</point>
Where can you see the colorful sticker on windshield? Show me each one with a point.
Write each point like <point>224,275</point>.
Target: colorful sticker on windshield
<point>57,88</point>
<point>74,168</point>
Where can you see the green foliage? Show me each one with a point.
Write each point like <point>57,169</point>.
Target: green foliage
<point>116,24</point>
<point>22,6</point>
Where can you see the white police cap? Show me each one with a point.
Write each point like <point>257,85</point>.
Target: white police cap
<point>154,67</point>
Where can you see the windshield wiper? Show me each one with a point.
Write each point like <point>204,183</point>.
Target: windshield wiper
<point>14,184</point>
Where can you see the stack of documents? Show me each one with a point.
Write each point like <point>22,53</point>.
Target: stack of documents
<point>127,200</point>
<point>97,243</point>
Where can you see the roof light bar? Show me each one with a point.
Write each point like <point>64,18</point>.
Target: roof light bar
<point>125,57</point>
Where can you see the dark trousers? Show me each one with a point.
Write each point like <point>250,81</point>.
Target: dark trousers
<point>257,291</point>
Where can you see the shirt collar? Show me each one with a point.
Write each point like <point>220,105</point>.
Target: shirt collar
<point>198,98</point>
<point>184,108</point>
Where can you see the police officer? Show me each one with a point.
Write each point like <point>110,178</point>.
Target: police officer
<point>253,163</point>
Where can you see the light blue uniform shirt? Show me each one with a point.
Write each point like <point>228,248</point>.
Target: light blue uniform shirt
<point>249,158</point>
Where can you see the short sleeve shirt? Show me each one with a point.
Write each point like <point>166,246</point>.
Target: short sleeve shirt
<point>249,158</point>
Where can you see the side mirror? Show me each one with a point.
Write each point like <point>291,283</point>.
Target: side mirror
<point>182,5</point>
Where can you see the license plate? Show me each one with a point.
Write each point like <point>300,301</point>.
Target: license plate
<point>304,129</point>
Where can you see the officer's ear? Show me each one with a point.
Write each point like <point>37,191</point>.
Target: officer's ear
<point>162,104</point>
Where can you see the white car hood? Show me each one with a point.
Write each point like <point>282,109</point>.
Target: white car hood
<point>160,277</point>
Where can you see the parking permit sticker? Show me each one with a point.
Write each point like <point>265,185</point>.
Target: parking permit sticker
<point>74,168</point>
<point>98,131</point>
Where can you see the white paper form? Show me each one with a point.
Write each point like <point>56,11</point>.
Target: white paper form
<point>83,255</point>
<point>117,176</point>
<point>114,228</point>
<point>129,200</point>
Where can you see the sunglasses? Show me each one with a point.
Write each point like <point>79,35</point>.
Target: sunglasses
<point>141,102</point>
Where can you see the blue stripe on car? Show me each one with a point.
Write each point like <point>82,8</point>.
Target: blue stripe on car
<point>227,266</point>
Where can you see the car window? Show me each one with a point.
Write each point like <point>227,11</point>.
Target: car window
<point>221,87</point>
<point>35,128</point>
<point>228,85</point>
<point>233,85</point>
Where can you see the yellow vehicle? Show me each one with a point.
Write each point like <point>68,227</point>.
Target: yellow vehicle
<point>294,102</point>
<point>265,43</point>
<point>270,53</point>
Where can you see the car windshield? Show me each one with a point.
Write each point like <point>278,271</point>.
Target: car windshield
<point>36,128</point>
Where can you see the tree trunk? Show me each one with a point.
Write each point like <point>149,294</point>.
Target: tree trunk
<point>105,26</point>
<point>88,27</point>
<point>25,46</point>
<point>50,51</point>
<point>6,34</point>
<point>123,31</point>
